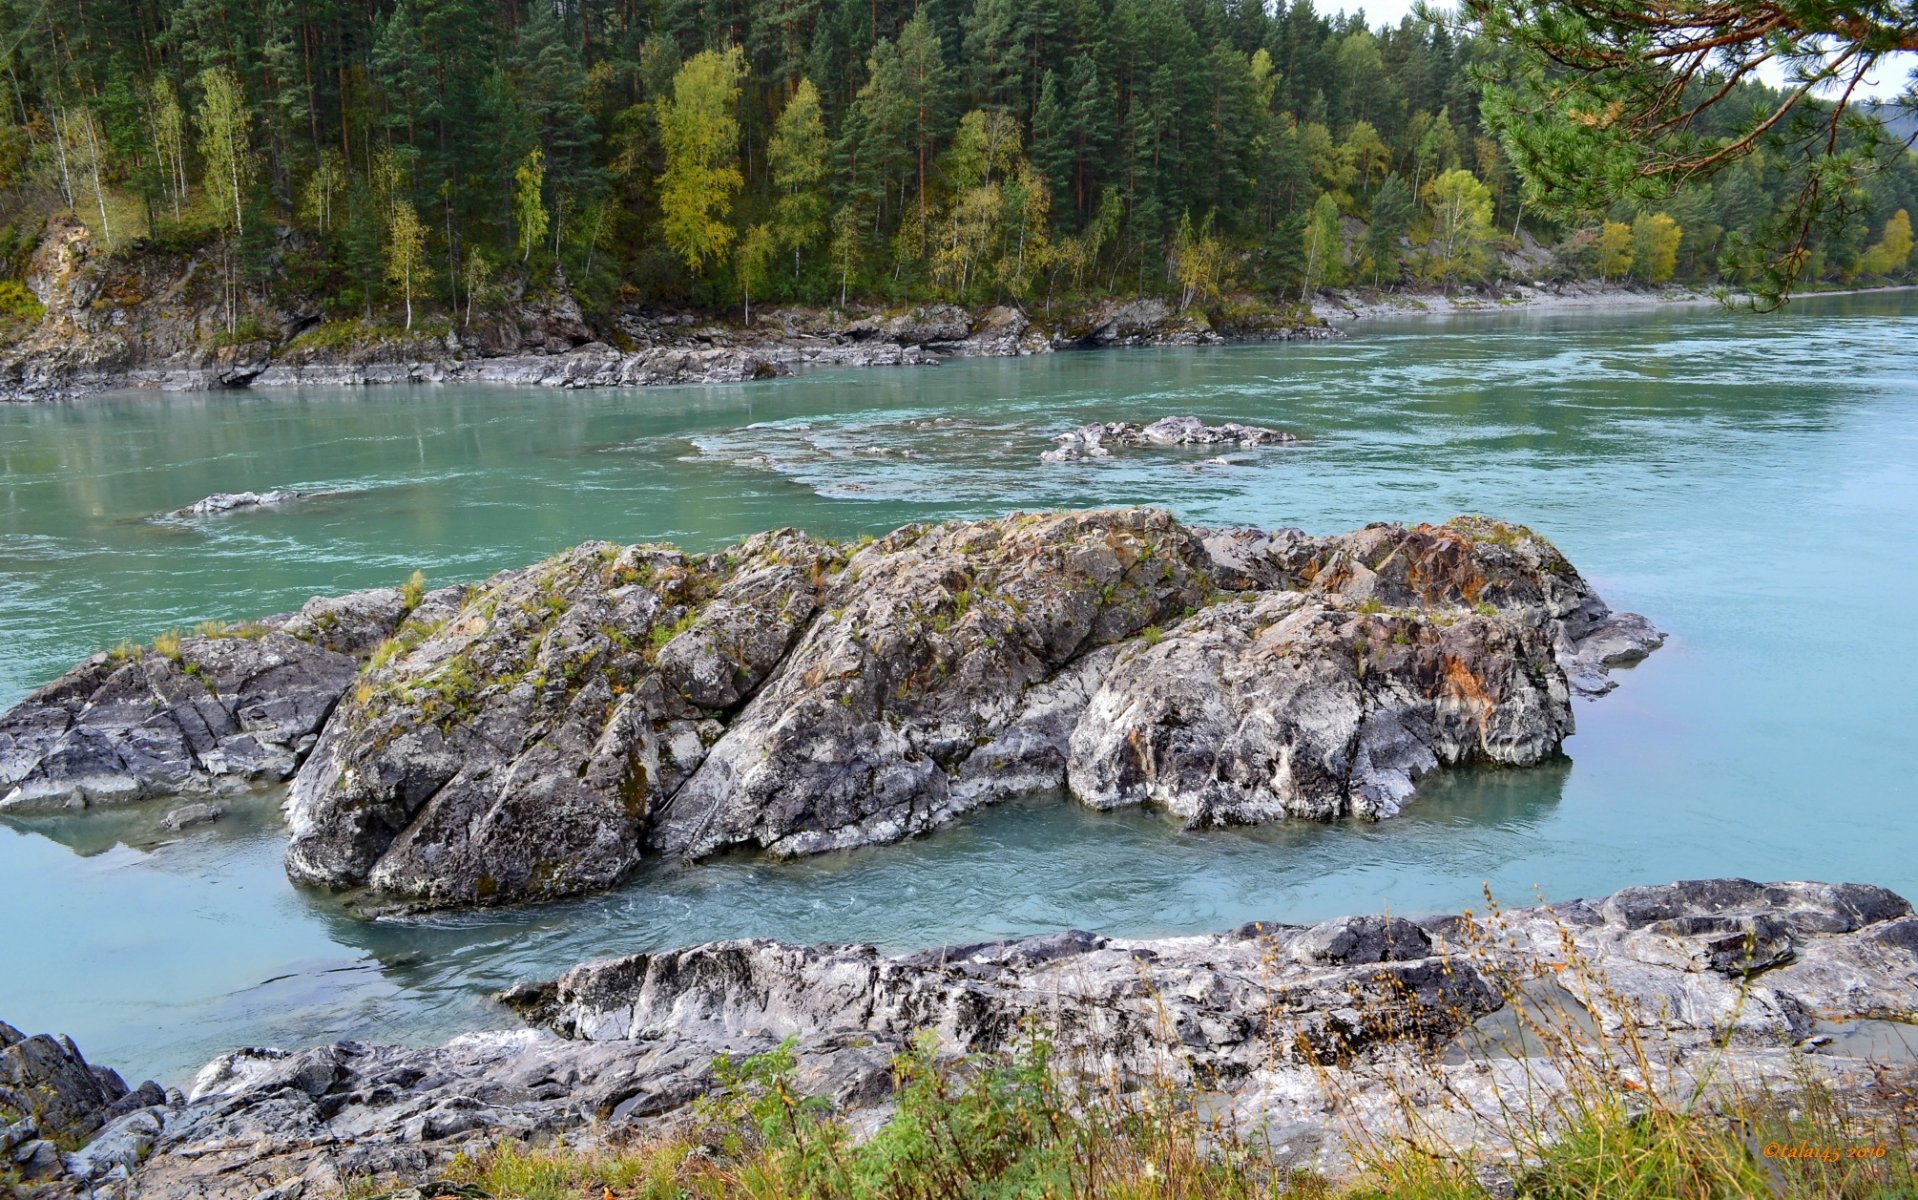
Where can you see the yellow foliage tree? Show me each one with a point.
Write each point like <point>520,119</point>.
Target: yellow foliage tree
<point>1655,238</point>
<point>700,133</point>
<point>1892,250</point>
<point>405,251</point>
<point>529,209</point>
<point>1614,249</point>
<point>1461,226</point>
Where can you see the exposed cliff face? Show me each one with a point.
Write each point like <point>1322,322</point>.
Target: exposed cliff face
<point>146,317</point>
<point>1718,980</point>
<point>536,735</point>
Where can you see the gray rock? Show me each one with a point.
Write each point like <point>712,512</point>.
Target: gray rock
<point>197,813</point>
<point>518,751</point>
<point>534,737</point>
<point>1096,441</point>
<point>926,653</point>
<point>226,502</point>
<point>62,1097</point>
<point>217,712</point>
<point>1264,1019</point>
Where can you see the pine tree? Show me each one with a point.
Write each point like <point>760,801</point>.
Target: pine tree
<point>1392,212</point>
<point>928,95</point>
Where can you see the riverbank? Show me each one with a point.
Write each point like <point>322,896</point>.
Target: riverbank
<point>1346,305</point>
<point>1667,487</point>
<point>1486,1041</point>
<point>151,320</point>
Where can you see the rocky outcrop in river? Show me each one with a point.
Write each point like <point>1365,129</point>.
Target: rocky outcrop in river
<point>537,735</point>
<point>1718,980</point>
<point>1095,440</point>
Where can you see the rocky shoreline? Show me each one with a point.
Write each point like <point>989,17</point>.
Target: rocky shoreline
<point>1303,1033</point>
<point>149,320</point>
<point>537,735</point>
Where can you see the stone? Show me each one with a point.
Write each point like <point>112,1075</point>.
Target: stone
<point>197,813</point>
<point>226,502</point>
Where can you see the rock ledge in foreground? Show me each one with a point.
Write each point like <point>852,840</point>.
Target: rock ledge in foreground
<point>1265,1018</point>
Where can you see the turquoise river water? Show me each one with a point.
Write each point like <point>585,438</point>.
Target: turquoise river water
<point>1750,483</point>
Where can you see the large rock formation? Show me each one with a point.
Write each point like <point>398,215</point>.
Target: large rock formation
<point>535,736</point>
<point>1271,1020</point>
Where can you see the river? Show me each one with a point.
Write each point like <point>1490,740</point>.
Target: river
<point>1750,483</point>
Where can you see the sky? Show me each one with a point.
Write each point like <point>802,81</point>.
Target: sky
<point>1888,81</point>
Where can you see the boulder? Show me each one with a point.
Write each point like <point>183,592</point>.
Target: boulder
<point>226,502</point>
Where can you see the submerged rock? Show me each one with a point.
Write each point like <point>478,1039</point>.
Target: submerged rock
<point>226,502</point>
<point>197,813</point>
<point>1269,1020</point>
<point>1096,440</point>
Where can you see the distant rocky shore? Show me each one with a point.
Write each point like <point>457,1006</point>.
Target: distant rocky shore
<point>537,735</point>
<point>151,320</point>
<point>1301,1034</point>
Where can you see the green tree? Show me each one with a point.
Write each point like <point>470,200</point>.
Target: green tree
<point>1392,212</point>
<point>751,258</point>
<point>928,95</point>
<point>1199,261</point>
<point>700,134</point>
<point>169,141</point>
<point>799,156</point>
<point>1461,227</point>
<point>1614,100</point>
<point>1655,238</point>
<point>86,160</point>
<point>325,187</point>
<point>1324,254</point>
<point>222,119</point>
